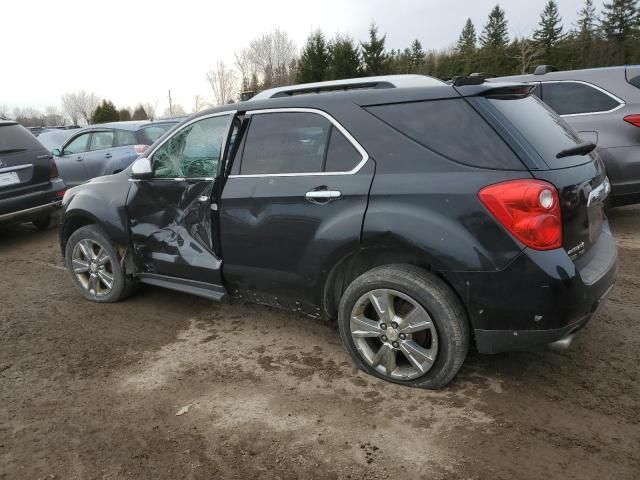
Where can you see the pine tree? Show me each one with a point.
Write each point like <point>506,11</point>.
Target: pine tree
<point>124,115</point>
<point>549,32</point>
<point>105,112</point>
<point>587,21</point>
<point>467,41</point>
<point>345,59</point>
<point>374,57</point>
<point>416,56</point>
<point>139,113</point>
<point>621,19</point>
<point>495,35</point>
<point>314,62</point>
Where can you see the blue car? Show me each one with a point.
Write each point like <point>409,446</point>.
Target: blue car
<point>107,148</point>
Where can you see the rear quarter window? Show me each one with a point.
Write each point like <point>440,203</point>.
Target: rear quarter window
<point>15,138</point>
<point>545,131</point>
<point>451,128</point>
<point>571,98</point>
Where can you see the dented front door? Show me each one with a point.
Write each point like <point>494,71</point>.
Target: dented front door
<point>173,216</point>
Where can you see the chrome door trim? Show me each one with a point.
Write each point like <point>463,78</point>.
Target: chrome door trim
<point>333,121</point>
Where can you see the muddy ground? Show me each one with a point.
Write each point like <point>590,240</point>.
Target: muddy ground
<point>93,391</point>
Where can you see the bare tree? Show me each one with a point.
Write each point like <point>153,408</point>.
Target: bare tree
<point>246,67</point>
<point>80,105</point>
<point>527,53</point>
<point>176,110</point>
<point>150,108</point>
<point>223,82</point>
<point>4,111</point>
<point>198,103</point>
<point>52,116</point>
<point>271,56</point>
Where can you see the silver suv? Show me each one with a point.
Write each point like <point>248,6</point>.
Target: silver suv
<point>603,106</point>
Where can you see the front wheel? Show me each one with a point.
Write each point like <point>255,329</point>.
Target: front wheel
<point>94,265</point>
<point>404,325</point>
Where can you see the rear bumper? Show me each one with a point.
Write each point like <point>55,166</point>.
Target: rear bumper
<point>540,298</point>
<point>33,204</point>
<point>623,169</point>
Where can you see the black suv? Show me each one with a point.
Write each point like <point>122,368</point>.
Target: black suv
<point>421,218</point>
<point>30,188</point>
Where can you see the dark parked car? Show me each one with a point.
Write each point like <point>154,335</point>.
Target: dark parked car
<point>603,105</point>
<point>30,188</point>
<point>106,148</point>
<point>422,218</point>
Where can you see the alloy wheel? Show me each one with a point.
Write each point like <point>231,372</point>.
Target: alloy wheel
<point>394,334</point>
<point>93,267</point>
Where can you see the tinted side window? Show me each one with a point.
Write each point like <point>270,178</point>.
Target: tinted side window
<point>568,98</point>
<point>102,140</point>
<point>451,128</point>
<point>125,137</point>
<point>635,81</point>
<point>78,145</point>
<point>194,151</point>
<point>148,135</point>
<point>342,156</point>
<point>16,137</point>
<point>289,142</point>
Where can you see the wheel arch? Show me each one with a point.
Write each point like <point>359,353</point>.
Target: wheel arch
<point>355,264</point>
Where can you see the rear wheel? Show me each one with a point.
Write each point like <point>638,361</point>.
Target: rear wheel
<point>404,325</point>
<point>95,266</point>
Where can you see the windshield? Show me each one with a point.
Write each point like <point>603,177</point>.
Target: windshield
<point>547,133</point>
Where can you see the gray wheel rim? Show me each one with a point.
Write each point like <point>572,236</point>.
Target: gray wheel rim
<point>93,267</point>
<point>394,334</point>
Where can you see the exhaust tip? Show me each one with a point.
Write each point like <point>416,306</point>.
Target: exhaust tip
<point>562,344</point>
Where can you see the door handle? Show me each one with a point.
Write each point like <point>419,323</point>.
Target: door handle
<point>108,155</point>
<point>325,195</point>
<point>78,159</point>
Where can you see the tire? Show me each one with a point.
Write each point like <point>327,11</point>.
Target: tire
<point>121,285</point>
<point>42,223</point>
<point>443,343</point>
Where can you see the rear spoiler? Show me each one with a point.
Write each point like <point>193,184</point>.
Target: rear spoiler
<point>477,86</point>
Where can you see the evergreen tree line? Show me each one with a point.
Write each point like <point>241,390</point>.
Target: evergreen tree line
<point>597,39</point>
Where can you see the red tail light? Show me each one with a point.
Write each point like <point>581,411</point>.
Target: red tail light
<point>53,169</point>
<point>528,209</point>
<point>139,149</point>
<point>633,120</point>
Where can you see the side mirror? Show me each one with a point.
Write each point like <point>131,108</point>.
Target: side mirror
<point>141,168</point>
<point>56,152</point>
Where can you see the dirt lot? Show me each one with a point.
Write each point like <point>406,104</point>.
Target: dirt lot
<point>93,391</point>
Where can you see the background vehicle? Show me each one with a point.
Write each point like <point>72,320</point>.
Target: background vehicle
<point>52,139</point>
<point>30,187</point>
<point>106,148</point>
<point>603,106</point>
<point>413,215</point>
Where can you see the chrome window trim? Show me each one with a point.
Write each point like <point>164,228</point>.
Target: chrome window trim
<point>232,113</point>
<point>333,121</point>
<point>621,103</point>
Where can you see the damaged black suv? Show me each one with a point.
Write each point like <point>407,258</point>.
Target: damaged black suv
<point>422,216</point>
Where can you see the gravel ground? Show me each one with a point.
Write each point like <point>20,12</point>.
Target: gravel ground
<point>170,386</point>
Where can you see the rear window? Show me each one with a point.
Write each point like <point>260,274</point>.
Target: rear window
<point>16,138</point>
<point>545,131</point>
<point>150,134</point>
<point>451,128</point>
<point>570,98</point>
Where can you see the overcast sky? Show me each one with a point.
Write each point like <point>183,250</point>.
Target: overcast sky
<point>134,51</point>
